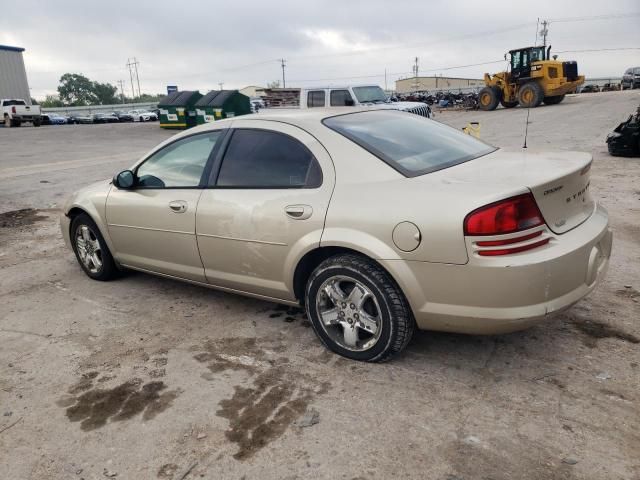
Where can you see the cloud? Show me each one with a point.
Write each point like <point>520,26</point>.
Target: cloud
<point>197,44</point>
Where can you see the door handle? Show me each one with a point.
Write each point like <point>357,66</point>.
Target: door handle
<point>298,212</point>
<point>178,206</point>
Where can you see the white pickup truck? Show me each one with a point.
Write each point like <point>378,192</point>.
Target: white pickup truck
<point>357,95</point>
<point>15,111</point>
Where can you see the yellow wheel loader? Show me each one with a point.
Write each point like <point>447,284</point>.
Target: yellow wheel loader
<point>532,78</point>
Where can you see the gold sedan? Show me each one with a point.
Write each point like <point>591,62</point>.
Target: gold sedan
<point>377,221</point>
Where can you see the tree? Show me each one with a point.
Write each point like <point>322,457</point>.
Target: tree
<point>77,90</point>
<point>105,93</point>
<point>52,101</point>
<point>274,84</point>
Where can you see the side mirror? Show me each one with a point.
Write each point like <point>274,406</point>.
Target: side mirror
<point>349,103</point>
<point>124,180</point>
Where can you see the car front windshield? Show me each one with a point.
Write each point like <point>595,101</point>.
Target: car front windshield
<point>371,94</point>
<point>411,144</point>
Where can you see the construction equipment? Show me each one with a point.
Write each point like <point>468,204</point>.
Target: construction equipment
<point>533,78</point>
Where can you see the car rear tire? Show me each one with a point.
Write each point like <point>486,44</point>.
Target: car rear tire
<point>530,95</point>
<point>357,310</point>
<point>488,98</point>
<point>91,250</point>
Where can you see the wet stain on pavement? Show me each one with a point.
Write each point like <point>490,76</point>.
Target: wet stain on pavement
<point>262,412</point>
<point>20,218</point>
<point>595,330</point>
<point>275,394</point>
<point>94,408</point>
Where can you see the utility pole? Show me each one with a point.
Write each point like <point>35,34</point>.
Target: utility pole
<point>415,74</point>
<point>283,63</point>
<point>129,64</point>
<point>385,80</point>
<point>544,32</point>
<point>221,84</point>
<point>121,83</point>
<point>135,64</point>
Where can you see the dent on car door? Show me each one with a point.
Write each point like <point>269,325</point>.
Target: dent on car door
<point>267,208</point>
<point>152,226</point>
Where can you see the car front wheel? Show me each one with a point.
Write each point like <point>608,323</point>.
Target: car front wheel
<point>91,250</point>
<point>357,310</point>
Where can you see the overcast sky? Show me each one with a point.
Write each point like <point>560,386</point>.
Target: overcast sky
<point>197,44</point>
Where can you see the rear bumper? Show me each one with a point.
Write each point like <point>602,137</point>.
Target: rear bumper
<point>489,296</point>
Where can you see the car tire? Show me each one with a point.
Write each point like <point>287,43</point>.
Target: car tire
<point>373,320</point>
<point>91,250</point>
<point>530,95</point>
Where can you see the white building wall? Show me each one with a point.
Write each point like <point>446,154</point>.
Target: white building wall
<point>13,75</point>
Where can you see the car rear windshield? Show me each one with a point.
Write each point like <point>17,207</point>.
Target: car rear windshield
<point>14,102</point>
<point>411,144</point>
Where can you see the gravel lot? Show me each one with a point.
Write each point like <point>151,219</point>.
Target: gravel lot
<point>145,378</point>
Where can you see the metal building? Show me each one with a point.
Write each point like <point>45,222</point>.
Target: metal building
<point>13,75</point>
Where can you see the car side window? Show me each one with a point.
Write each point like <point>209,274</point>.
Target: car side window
<point>179,164</point>
<point>315,99</point>
<point>268,159</point>
<point>340,98</point>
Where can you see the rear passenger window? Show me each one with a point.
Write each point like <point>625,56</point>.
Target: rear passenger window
<point>315,99</point>
<point>340,98</point>
<point>267,159</point>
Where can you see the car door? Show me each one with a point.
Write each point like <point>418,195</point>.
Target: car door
<point>152,226</point>
<point>266,207</point>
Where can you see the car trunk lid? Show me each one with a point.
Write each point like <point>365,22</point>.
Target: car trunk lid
<point>559,181</point>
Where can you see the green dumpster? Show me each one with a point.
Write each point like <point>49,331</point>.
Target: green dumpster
<point>177,110</point>
<point>219,104</point>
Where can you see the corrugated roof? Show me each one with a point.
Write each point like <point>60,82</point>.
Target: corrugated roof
<point>177,98</point>
<point>215,98</point>
<point>11,49</point>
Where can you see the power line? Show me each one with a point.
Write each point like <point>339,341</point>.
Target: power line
<point>594,17</point>
<point>456,67</point>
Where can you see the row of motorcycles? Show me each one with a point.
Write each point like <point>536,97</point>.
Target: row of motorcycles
<point>468,101</point>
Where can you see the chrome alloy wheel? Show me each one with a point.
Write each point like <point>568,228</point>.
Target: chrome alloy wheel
<point>88,247</point>
<point>349,313</point>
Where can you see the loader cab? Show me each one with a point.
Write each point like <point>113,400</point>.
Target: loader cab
<point>522,58</point>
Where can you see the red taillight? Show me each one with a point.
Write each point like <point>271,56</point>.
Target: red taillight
<point>506,216</point>
<point>507,251</point>
<point>13,109</point>
<point>508,241</point>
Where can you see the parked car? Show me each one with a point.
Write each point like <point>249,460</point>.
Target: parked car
<point>15,112</point>
<point>590,89</point>
<point>123,117</point>
<point>86,119</point>
<point>44,119</point>
<point>631,78</point>
<point>376,221</point>
<point>143,116</point>
<point>55,119</point>
<point>105,118</point>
